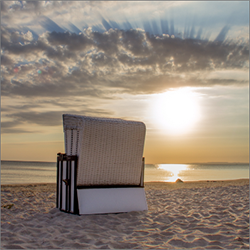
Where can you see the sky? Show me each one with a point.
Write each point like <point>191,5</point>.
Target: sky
<point>180,67</point>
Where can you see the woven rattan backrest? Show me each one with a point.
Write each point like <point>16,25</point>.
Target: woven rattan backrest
<point>109,150</point>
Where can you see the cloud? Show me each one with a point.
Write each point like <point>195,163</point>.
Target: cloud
<point>11,127</point>
<point>87,64</point>
<point>78,42</point>
<point>50,118</point>
<point>22,120</point>
<point>52,59</point>
<point>6,60</point>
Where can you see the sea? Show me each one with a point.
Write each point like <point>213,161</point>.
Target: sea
<point>25,172</point>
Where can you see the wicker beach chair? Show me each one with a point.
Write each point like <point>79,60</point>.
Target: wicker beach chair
<point>103,168</point>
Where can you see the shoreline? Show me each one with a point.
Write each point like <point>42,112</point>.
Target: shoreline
<point>195,215</point>
<point>184,184</point>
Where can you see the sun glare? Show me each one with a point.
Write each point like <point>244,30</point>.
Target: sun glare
<point>176,111</point>
<point>175,170</point>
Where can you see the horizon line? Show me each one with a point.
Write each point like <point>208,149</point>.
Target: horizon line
<point>218,162</point>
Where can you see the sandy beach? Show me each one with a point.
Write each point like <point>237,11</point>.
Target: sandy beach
<point>194,215</point>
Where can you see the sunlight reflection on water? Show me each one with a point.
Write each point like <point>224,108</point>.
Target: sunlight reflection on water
<point>174,169</point>
<point>195,172</point>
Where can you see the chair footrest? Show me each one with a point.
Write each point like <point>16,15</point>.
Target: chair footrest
<point>111,200</point>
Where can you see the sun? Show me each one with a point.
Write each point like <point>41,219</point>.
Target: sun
<point>176,111</point>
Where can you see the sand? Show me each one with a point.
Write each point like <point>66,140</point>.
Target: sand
<point>195,215</point>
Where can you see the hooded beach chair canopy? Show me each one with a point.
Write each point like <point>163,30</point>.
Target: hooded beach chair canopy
<point>110,153</point>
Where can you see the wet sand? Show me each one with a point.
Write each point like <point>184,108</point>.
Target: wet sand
<point>194,215</point>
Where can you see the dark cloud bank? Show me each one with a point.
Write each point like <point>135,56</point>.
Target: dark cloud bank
<point>65,64</point>
<point>94,64</point>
